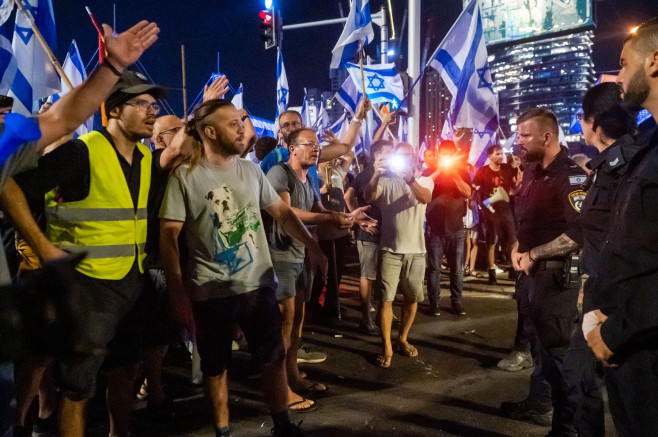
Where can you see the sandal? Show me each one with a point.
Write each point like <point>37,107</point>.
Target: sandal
<point>407,350</point>
<point>313,388</point>
<point>384,361</point>
<point>308,409</point>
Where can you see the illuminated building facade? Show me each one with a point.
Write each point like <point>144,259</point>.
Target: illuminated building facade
<point>437,105</point>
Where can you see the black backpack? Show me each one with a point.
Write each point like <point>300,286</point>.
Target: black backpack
<point>276,236</point>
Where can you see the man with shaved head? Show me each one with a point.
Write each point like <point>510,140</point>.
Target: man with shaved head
<point>164,129</point>
<point>625,329</point>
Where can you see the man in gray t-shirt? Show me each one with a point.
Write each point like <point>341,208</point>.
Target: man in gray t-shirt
<point>217,200</point>
<point>292,183</point>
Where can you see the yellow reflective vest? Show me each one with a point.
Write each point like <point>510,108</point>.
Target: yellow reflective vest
<point>105,224</point>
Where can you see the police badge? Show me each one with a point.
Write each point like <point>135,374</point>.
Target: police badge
<point>576,199</point>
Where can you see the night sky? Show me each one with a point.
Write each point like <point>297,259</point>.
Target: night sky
<point>232,29</point>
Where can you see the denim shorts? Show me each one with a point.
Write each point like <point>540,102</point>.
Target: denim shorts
<point>290,278</point>
<point>404,269</point>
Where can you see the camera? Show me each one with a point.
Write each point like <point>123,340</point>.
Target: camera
<point>398,163</point>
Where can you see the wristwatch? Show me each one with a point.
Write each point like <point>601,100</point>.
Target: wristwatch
<point>358,120</point>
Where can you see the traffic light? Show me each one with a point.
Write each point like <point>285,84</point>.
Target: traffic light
<point>268,33</point>
<point>271,28</point>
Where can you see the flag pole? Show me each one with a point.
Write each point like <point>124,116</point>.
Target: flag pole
<point>182,55</point>
<point>51,57</point>
<point>363,78</point>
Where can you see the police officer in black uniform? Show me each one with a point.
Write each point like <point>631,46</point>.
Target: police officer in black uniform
<point>548,232</point>
<point>626,276</point>
<point>608,126</point>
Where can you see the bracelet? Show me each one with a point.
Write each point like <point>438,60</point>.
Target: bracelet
<point>244,117</point>
<point>111,67</point>
<point>357,120</point>
<point>530,256</point>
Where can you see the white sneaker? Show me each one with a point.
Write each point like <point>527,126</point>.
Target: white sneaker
<point>516,361</point>
<point>306,356</point>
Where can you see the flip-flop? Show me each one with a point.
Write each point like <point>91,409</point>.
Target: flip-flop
<point>308,409</point>
<point>314,388</point>
<point>384,361</point>
<point>407,351</point>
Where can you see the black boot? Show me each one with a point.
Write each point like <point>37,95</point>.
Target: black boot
<point>492,277</point>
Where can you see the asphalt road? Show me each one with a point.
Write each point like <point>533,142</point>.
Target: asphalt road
<point>452,388</point>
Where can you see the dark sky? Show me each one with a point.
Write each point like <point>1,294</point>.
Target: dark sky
<point>232,29</point>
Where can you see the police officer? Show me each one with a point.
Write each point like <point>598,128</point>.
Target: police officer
<point>608,127</point>
<point>626,275</point>
<point>548,231</point>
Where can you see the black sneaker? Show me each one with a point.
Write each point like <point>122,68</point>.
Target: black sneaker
<point>458,309</point>
<point>492,277</point>
<point>529,409</point>
<point>44,427</point>
<point>288,430</point>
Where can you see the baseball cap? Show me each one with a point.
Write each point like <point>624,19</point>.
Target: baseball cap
<point>131,84</point>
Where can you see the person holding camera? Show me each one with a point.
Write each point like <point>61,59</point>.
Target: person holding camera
<point>402,200</point>
<point>445,233</point>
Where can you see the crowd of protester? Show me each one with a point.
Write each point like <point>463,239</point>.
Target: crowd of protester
<point>190,236</point>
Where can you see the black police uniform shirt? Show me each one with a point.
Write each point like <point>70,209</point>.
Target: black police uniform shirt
<point>549,202</point>
<point>601,185</point>
<point>487,179</point>
<point>445,213</point>
<point>626,277</point>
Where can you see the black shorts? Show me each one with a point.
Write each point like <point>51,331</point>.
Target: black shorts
<point>499,228</point>
<point>258,315</point>
<point>159,329</point>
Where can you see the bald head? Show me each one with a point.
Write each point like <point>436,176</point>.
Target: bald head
<point>164,130</point>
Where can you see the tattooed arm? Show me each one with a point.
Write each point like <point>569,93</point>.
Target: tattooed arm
<point>561,246</point>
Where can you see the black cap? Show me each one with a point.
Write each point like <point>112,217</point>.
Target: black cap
<point>131,84</point>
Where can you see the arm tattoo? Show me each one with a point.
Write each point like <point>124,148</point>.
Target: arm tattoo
<point>562,245</point>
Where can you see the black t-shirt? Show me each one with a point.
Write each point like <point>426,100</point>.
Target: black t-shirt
<point>359,185</point>
<point>487,179</point>
<point>549,203</point>
<point>445,213</point>
<point>159,179</point>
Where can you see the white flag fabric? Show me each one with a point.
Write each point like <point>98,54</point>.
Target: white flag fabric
<point>75,70</point>
<point>35,76</point>
<point>383,82</point>
<point>7,60</point>
<point>461,59</point>
<point>237,98</point>
<point>348,95</point>
<point>357,33</point>
<point>6,9</point>
<point>340,127</point>
<point>282,89</point>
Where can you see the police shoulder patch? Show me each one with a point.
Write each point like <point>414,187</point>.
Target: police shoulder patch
<point>576,199</point>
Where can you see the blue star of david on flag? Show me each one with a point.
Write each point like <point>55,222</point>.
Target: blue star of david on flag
<point>281,85</point>
<point>482,74</point>
<point>371,83</point>
<point>283,96</point>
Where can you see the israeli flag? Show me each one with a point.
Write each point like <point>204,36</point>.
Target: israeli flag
<point>340,127</point>
<point>357,33</point>
<point>75,70</point>
<point>282,89</point>
<point>367,132</point>
<point>383,83</point>
<point>403,129</point>
<point>7,60</point>
<point>461,59</point>
<point>348,96</point>
<point>35,76</point>
<point>323,119</point>
<point>306,114</point>
<point>237,98</point>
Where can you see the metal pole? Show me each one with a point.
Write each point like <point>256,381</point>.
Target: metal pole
<point>384,39</point>
<point>182,55</point>
<point>314,23</point>
<point>414,71</point>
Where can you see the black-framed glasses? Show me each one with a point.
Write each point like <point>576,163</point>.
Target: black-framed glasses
<point>145,106</point>
<point>292,125</point>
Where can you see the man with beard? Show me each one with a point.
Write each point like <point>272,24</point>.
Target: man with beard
<point>548,231</point>
<point>625,329</point>
<point>96,190</point>
<point>216,199</point>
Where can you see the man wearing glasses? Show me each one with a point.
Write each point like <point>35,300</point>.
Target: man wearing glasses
<point>96,190</point>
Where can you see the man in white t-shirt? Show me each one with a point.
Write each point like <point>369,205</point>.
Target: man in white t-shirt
<point>402,200</point>
<point>216,200</point>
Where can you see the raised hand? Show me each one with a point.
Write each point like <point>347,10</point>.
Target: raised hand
<point>125,48</point>
<point>216,90</point>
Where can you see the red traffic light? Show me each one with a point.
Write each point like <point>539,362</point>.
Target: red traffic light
<point>266,16</point>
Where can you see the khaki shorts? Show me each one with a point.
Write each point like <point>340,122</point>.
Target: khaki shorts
<point>405,269</point>
<point>368,258</point>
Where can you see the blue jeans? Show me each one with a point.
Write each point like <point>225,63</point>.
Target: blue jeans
<point>452,245</point>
